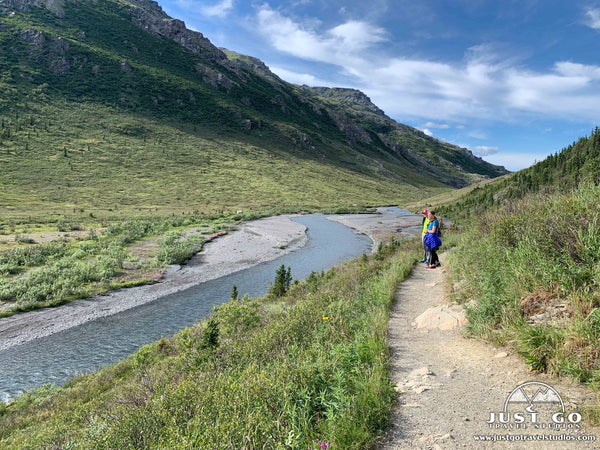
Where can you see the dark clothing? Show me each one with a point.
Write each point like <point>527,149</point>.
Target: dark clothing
<point>435,260</point>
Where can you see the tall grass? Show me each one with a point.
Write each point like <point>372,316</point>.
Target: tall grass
<point>308,369</point>
<point>532,273</point>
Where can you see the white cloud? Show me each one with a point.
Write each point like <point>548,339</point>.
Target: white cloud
<point>220,9</point>
<point>435,125</point>
<point>356,36</point>
<point>298,78</point>
<point>483,150</point>
<point>287,36</point>
<point>428,132</point>
<point>569,69</point>
<point>484,85</point>
<point>592,18</point>
<point>339,45</point>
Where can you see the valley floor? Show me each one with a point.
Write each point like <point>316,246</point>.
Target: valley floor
<point>448,385</point>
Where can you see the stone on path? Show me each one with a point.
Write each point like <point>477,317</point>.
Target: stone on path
<point>445,317</point>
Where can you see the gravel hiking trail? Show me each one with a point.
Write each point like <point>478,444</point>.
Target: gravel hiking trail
<point>448,385</point>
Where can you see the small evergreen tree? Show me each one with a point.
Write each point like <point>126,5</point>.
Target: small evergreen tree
<point>210,335</point>
<point>234,292</point>
<point>283,279</point>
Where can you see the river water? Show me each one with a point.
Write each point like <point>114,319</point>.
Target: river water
<point>83,349</point>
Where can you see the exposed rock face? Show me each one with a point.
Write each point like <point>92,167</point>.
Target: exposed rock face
<point>215,78</point>
<point>51,48</point>
<point>59,46</point>
<point>349,96</point>
<point>149,16</point>
<point>35,38</point>
<point>59,66</point>
<point>125,67</point>
<point>56,6</point>
<point>353,132</point>
<point>253,65</point>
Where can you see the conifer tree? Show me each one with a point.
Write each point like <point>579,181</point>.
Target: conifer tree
<point>283,279</point>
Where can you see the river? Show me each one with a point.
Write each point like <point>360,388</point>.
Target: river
<point>83,349</point>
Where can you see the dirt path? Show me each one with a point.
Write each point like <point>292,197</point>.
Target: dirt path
<point>449,385</point>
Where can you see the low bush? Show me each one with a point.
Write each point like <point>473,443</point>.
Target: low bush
<point>174,249</point>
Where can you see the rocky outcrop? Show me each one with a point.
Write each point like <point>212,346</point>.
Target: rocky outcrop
<point>125,67</point>
<point>254,65</point>
<point>149,16</point>
<point>349,96</point>
<point>56,6</point>
<point>53,49</point>
<point>353,132</point>
<point>215,78</point>
<point>33,37</point>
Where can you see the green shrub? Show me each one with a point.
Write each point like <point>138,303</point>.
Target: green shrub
<point>539,344</point>
<point>174,249</point>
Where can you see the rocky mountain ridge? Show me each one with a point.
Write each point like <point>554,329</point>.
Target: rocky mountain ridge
<point>165,69</point>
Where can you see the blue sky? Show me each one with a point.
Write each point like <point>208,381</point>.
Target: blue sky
<point>511,80</point>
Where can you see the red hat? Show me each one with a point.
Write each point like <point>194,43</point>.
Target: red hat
<point>425,211</point>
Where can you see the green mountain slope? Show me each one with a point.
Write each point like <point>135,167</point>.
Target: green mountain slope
<point>114,105</point>
<point>362,120</point>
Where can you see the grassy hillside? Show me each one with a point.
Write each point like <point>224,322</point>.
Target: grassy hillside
<point>305,369</point>
<point>96,160</point>
<point>113,104</point>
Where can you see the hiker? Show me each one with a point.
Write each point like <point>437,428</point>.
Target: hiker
<point>432,241</point>
<point>425,248</point>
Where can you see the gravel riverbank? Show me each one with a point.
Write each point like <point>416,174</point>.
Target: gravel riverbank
<point>252,243</point>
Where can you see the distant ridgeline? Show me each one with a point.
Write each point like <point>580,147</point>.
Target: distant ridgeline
<point>91,79</point>
<point>559,172</point>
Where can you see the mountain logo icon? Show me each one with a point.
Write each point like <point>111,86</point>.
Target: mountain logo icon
<point>534,393</point>
<point>534,404</point>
